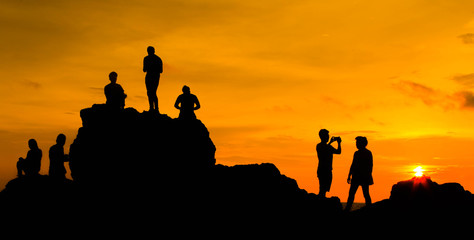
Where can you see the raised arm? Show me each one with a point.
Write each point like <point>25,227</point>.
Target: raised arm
<point>338,150</point>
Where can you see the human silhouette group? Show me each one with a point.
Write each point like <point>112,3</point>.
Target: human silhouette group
<point>31,165</point>
<point>115,96</point>
<point>360,173</point>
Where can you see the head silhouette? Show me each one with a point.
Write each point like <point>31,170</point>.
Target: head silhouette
<point>324,135</point>
<point>186,89</point>
<point>361,142</point>
<point>61,139</point>
<point>150,50</point>
<point>32,144</point>
<point>113,77</point>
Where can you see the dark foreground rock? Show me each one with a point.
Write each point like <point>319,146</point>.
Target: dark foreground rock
<point>421,198</point>
<point>115,145</point>
<point>147,171</point>
<point>142,168</point>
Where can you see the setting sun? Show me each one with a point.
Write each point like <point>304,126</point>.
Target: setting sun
<point>418,171</point>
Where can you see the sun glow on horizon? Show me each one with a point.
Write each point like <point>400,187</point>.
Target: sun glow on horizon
<point>419,171</point>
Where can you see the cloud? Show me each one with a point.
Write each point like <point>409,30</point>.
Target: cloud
<point>427,95</point>
<point>331,100</point>
<point>281,109</point>
<point>466,80</point>
<point>466,98</point>
<point>433,97</point>
<point>31,84</point>
<point>467,38</point>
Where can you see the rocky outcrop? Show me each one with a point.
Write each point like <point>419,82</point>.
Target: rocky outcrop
<point>130,165</point>
<point>422,197</point>
<point>115,145</point>
<point>262,188</point>
<point>423,194</point>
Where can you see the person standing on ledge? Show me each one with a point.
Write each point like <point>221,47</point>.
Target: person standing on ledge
<point>325,155</point>
<point>187,103</point>
<point>153,66</point>
<point>114,93</point>
<point>360,173</point>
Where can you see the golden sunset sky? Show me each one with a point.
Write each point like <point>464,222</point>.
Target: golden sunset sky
<point>268,74</point>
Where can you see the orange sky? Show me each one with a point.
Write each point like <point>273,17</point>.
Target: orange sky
<point>268,74</point>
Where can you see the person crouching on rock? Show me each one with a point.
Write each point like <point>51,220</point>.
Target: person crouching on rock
<point>360,173</point>
<point>114,93</point>
<point>187,103</point>
<point>31,165</point>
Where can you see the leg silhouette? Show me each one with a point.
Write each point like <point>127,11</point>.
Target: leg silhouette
<point>350,199</point>
<point>365,190</point>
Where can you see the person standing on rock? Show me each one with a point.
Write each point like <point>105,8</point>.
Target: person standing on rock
<point>30,165</point>
<point>187,103</point>
<point>360,173</point>
<point>325,156</point>
<point>57,158</point>
<point>153,66</point>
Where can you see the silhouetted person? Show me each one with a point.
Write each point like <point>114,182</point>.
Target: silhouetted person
<point>325,155</point>
<point>30,165</point>
<point>57,158</point>
<point>187,103</point>
<point>153,66</point>
<point>360,173</point>
<point>114,92</point>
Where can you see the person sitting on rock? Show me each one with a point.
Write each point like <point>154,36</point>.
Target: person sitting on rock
<point>187,103</point>
<point>30,165</point>
<point>114,93</point>
<point>57,158</point>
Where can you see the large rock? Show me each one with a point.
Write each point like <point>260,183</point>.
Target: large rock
<point>131,166</point>
<point>262,188</point>
<point>422,197</point>
<point>115,145</point>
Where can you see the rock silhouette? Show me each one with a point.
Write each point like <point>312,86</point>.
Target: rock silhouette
<point>138,166</point>
<point>130,167</point>
<point>422,197</point>
<point>114,142</point>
